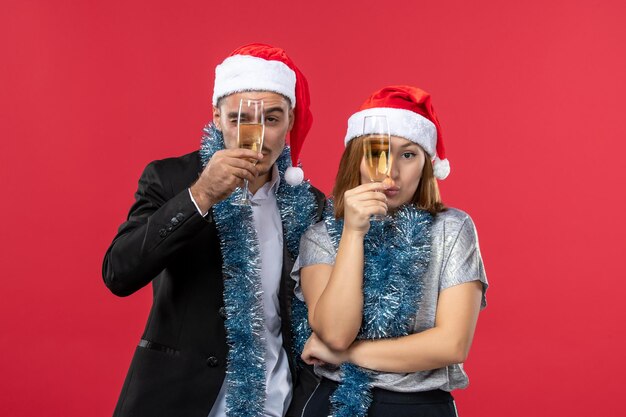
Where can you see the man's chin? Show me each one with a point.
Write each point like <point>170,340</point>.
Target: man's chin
<point>263,169</point>
<point>264,166</point>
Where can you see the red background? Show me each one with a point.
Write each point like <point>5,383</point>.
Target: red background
<point>530,95</point>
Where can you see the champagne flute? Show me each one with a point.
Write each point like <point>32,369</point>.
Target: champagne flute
<point>377,150</point>
<point>250,133</point>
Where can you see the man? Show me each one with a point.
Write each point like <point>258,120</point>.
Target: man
<point>218,338</point>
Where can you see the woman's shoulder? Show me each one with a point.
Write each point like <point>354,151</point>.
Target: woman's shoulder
<point>317,235</point>
<point>316,246</point>
<point>316,230</point>
<point>452,215</point>
<point>453,221</point>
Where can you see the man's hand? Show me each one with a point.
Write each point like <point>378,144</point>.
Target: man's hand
<point>225,171</point>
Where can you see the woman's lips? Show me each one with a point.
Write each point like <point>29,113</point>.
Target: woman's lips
<point>392,192</point>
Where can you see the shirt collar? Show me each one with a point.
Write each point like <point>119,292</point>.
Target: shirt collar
<point>269,187</point>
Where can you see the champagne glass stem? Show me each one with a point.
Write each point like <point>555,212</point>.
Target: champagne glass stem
<point>245,190</point>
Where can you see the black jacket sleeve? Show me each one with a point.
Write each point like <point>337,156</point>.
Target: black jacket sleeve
<point>160,222</point>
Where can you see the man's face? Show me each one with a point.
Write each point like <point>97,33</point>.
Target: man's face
<point>278,122</point>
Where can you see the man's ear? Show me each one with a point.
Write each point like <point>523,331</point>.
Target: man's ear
<point>291,118</point>
<point>216,117</point>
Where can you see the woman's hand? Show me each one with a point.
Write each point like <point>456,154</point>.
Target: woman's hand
<point>360,203</point>
<point>315,352</point>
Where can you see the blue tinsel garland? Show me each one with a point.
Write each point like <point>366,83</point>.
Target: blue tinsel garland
<point>397,254</point>
<point>245,375</point>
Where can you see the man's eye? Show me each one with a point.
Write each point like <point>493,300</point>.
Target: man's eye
<point>271,119</point>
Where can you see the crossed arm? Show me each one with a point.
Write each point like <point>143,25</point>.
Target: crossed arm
<point>335,301</point>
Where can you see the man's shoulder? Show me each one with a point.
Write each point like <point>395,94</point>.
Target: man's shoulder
<point>320,196</point>
<point>320,199</point>
<point>179,164</point>
<point>179,172</point>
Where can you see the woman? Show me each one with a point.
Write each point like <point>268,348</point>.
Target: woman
<point>392,304</point>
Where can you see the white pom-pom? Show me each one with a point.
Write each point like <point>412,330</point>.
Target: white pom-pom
<point>294,175</point>
<point>441,168</point>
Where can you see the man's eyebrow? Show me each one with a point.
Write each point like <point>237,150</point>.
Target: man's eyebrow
<point>275,109</point>
<point>233,115</point>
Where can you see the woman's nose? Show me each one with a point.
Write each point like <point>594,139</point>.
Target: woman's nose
<point>393,170</point>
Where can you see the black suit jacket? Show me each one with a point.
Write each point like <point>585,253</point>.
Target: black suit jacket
<point>180,363</point>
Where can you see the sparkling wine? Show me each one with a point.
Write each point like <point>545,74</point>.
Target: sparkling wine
<point>376,154</point>
<point>251,136</point>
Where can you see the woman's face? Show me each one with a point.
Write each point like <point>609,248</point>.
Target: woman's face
<point>407,162</point>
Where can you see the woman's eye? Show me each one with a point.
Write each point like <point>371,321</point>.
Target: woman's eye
<point>408,155</point>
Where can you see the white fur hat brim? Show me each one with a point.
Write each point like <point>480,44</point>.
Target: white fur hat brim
<point>402,123</point>
<point>248,73</point>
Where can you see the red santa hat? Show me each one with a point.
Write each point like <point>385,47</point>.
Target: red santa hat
<point>260,67</point>
<point>411,115</point>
